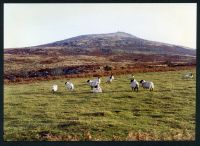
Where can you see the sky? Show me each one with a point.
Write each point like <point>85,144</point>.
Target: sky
<point>35,24</point>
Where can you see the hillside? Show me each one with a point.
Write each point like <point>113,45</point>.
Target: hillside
<point>104,44</point>
<point>119,42</point>
<point>92,55</point>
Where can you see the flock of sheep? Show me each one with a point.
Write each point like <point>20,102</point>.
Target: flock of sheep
<point>95,84</point>
<point>96,88</point>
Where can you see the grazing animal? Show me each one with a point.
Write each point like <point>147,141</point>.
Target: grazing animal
<point>93,83</point>
<point>188,76</point>
<point>147,85</point>
<point>54,88</point>
<point>97,89</point>
<point>69,86</point>
<point>110,79</point>
<point>134,85</point>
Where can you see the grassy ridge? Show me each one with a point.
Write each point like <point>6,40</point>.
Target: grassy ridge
<point>32,112</point>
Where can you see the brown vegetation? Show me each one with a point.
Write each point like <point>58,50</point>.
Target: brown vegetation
<point>25,67</point>
<point>95,74</point>
<point>132,136</point>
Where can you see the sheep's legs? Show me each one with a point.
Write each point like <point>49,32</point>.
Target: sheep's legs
<point>135,89</point>
<point>151,89</point>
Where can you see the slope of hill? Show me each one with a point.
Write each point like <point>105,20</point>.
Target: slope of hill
<point>117,42</point>
<point>101,44</point>
<point>98,54</point>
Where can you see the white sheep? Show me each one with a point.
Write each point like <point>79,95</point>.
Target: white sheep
<point>188,76</point>
<point>97,89</point>
<point>54,88</point>
<point>134,85</point>
<point>93,83</point>
<point>147,85</point>
<point>69,86</point>
<point>109,79</point>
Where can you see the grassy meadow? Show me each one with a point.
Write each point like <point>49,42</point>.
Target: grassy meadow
<point>32,112</point>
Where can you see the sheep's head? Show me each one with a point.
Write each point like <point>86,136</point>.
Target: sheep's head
<point>88,81</point>
<point>97,85</point>
<point>66,83</point>
<point>132,81</point>
<point>142,81</point>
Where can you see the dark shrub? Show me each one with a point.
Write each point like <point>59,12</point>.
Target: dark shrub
<point>107,68</point>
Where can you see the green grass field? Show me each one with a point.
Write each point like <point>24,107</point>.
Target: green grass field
<point>32,112</point>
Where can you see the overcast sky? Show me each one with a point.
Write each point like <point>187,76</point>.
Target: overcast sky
<point>35,24</point>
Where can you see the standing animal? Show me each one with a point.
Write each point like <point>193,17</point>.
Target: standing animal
<point>147,85</point>
<point>93,83</point>
<point>54,88</point>
<point>69,86</point>
<point>134,85</point>
<point>110,79</point>
<point>188,76</point>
